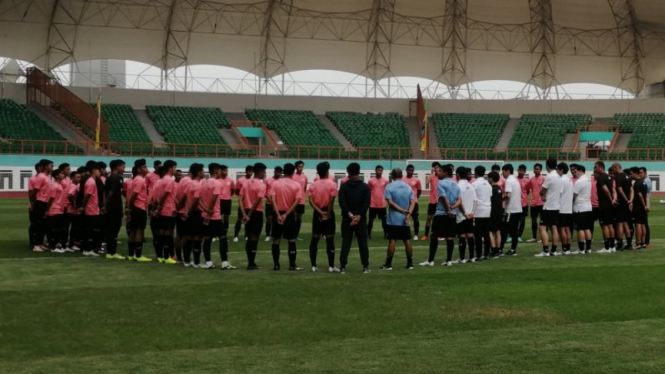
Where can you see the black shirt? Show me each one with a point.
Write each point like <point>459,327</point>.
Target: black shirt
<point>496,201</point>
<point>354,197</point>
<point>624,183</point>
<point>603,180</point>
<point>640,189</point>
<point>114,185</point>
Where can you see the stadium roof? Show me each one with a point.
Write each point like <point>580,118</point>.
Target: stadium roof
<point>619,43</point>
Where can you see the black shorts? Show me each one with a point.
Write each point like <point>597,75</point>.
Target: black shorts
<point>401,233</point>
<point>416,210</point>
<point>606,216</point>
<point>39,209</point>
<point>536,211</point>
<point>431,209</point>
<point>255,224</point>
<point>300,209</point>
<point>138,218</point>
<point>270,212</point>
<point>549,218</point>
<point>225,208</point>
<point>286,231</point>
<point>166,222</point>
<point>640,216</point>
<point>495,222</point>
<point>622,213</point>
<point>326,228</point>
<point>444,227</point>
<point>378,212</point>
<point>56,222</point>
<point>214,228</point>
<point>583,220</point>
<point>92,223</point>
<point>465,227</point>
<point>180,225</point>
<point>596,213</point>
<point>565,220</point>
<point>194,224</point>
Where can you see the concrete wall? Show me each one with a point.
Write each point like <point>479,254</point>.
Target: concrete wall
<point>319,105</point>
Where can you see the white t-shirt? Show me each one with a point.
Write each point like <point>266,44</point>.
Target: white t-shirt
<point>582,189</point>
<point>484,196</point>
<point>514,204</point>
<point>566,195</point>
<point>553,196</point>
<point>468,194</point>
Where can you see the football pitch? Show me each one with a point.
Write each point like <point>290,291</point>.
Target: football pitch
<point>597,313</point>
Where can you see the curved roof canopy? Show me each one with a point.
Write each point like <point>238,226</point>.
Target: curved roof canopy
<point>619,43</point>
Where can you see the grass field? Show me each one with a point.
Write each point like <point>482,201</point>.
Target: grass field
<point>576,314</point>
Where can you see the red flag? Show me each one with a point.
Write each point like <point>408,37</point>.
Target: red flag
<point>423,121</point>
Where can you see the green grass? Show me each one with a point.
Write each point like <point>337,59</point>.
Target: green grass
<point>578,314</point>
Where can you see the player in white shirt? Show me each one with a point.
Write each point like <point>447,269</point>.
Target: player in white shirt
<point>566,209</point>
<point>582,210</point>
<point>465,215</point>
<point>513,201</point>
<point>482,216</point>
<point>551,194</point>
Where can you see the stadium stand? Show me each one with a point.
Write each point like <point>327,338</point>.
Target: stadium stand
<point>301,130</point>
<point>648,131</point>
<point>195,130</point>
<point>18,123</point>
<point>544,131</point>
<point>382,132</point>
<point>462,130</point>
<point>124,126</point>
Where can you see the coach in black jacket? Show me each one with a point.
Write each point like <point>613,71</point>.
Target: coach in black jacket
<point>354,200</point>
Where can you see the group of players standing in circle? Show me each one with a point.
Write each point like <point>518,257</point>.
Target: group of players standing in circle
<point>82,209</point>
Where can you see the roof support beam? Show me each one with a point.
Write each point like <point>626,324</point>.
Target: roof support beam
<point>61,36</point>
<point>171,51</point>
<point>273,48</point>
<point>379,43</point>
<point>543,50</point>
<point>630,44</point>
<point>454,46</point>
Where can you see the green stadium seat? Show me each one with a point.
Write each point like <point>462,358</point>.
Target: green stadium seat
<point>383,133</point>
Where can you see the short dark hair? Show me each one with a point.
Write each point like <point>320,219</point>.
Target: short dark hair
<point>223,167</point>
<point>249,168</point>
<point>156,164</point>
<point>410,166</point>
<point>480,171</point>
<point>196,168</point>
<point>168,164</point>
<point>521,167</point>
<point>213,167</point>
<point>551,163</point>
<point>259,166</point>
<point>116,163</point>
<point>496,167</point>
<point>448,169</point>
<point>563,167</point>
<point>94,166</point>
<point>82,169</point>
<point>509,168</point>
<point>353,169</point>
<point>278,169</point>
<point>494,176</point>
<point>45,162</point>
<point>299,162</point>
<point>463,172</point>
<point>600,163</point>
<point>378,167</point>
<point>135,171</point>
<point>538,165</point>
<point>580,168</point>
<point>64,166</point>
<point>140,163</point>
<point>574,166</point>
<point>396,173</point>
<point>289,169</point>
<point>435,163</point>
<point>102,165</point>
<point>643,169</point>
<point>322,169</point>
<point>73,173</point>
<point>635,170</point>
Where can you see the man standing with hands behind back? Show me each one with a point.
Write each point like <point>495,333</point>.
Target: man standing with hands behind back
<point>354,200</point>
<point>401,202</point>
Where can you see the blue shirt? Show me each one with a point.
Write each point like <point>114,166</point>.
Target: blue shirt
<point>448,188</point>
<point>401,194</point>
<point>647,181</point>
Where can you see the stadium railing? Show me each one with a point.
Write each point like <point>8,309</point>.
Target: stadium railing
<point>50,147</point>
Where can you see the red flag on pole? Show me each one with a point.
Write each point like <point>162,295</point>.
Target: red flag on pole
<point>423,121</point>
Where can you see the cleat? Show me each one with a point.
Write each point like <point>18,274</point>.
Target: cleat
<point>409,267</point>
<point>588,251</point>
<point>214,240</point>
<point>366,270</point>
<point>557,253</point>
<point>424,238</point>
<point>245,238</point>
<point>519,240</point>
<point>118,256</point>
<point>207,265</point>
<point>333,270</point>
<point>295,268</point>
<point>542,254</point>
<point>386,268</point>
<point>566,253</point>
<point>188,264</point>
<point>604,251</point>
<point>426,263</point>
<point>131,258</point>
<point>267,239</point>
<point>109,257</point>
<point>76,248</point>
<point>90,254</point>
<point>299,239</point>
<point>276,268</point>
<point>447,263</point>
<point>235,240</point>
<point>512,252</point>
<point>531,240</point>
<point>613,250</point>
<point>70,250</point>
<point>252,267</point>
<point>227,266</point>
<point>58,250</point>
<point>314,269</point>
<point>342,270</point>
<point>142,259</point>
<point>415,238</point>
<point>160,260</point>
<point>169,261</point>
